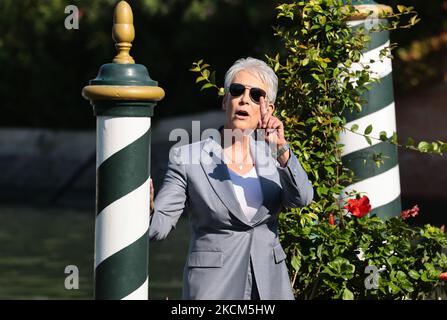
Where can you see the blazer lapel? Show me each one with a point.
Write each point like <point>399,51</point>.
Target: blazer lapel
<point>268,178</point>
<point>217,174</point>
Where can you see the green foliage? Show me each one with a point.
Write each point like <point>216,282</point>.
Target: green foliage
<point>45,66</point>
<point>329,261</point>
<point>206,76</point>
<point>436,147</point>
<point>395,19</point>
<point>318,86</point>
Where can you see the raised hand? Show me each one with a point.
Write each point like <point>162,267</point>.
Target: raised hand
<point>274,128</point>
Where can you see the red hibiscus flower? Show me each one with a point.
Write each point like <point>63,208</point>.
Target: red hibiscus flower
<point>443,276</point>
<point>413,212</point>
<point>359,207</point>
<point>331,219</point>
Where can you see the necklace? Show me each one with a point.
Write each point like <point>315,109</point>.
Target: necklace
<point>240,165</point>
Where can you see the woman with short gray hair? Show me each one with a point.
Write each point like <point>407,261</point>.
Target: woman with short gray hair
<point>234,190</point>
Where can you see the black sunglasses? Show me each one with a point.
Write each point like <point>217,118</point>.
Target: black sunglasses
<point>237,89</point>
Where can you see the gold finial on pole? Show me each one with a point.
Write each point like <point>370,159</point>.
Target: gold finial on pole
<point>123,32</point>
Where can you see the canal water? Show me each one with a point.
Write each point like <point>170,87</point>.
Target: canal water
<point>36,245</point>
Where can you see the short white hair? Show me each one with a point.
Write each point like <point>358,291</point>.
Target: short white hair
<point>257,68</point>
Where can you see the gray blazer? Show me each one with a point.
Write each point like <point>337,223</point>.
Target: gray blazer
<point>222,239</point>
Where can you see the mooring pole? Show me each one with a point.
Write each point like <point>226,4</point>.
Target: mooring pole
<point>123,97</point>
<point>381,183</point>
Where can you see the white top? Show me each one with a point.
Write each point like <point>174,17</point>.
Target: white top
<point>248,191</point>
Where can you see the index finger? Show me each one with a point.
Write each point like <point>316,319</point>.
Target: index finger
<point>263,105</point>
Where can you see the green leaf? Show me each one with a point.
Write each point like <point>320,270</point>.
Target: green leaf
<point>296,263</point>
<point>321,190</point>
<point>410,142</point>
<point>347,294</point>
<point>368,139</point>
<point>401,8</point>
<point>336,72</point>
<point>394,138</point>
<point>414,274</point>
<point>382,135</point>
<point>430,268</point>
<point>316,77</point>
<point>368,129</point>
<point>322,20</point>
<point>423,146</point>
<point>319,251</point>
<point>354,127</point>
<point>425,277</point>
<point>206,86</point>
<point>400,275</point>
<point>394,289</point>
<point>277,65</point>
<point>414,20</point>
<point>443,147</point>
<point>312,215</point>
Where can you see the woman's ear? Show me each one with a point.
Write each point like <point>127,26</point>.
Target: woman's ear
<point>271,108</point>
<point>224,102</point>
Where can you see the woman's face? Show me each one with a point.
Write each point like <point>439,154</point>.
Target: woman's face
<point>242,112</point>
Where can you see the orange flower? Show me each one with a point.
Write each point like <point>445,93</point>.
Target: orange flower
<point>359,207</point>
<point>331,219</point>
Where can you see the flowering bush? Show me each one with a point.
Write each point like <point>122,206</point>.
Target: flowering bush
<point>330,259</point>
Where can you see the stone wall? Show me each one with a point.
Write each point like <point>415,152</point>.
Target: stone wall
<point>51,167</point>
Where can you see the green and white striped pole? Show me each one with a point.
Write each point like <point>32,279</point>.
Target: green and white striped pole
<point>123,97</point>
<point>381,184</point>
